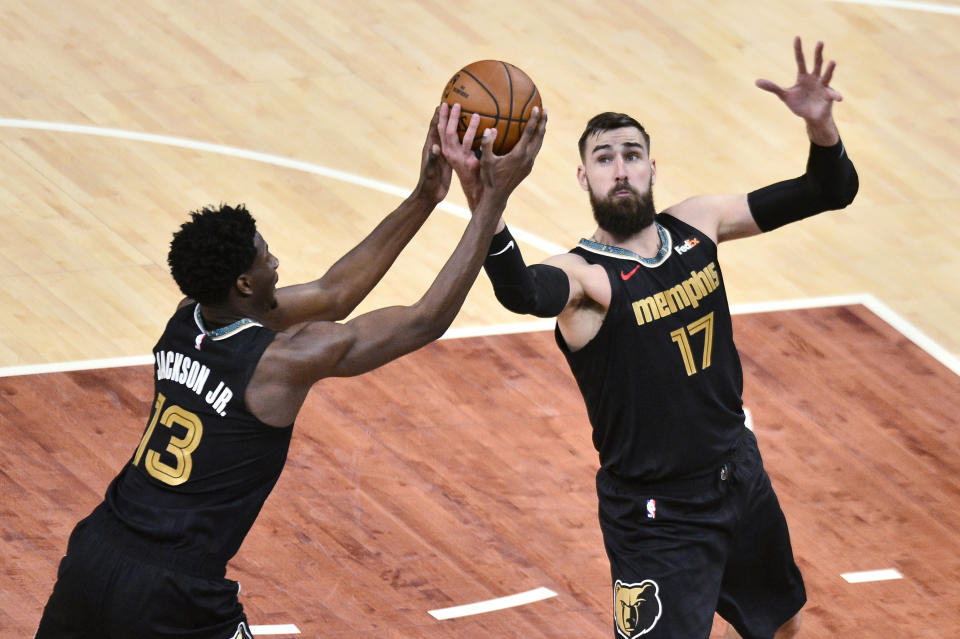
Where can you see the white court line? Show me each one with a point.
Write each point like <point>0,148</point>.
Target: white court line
<point>928,7</point>
<point>871,575</point>
<point>278,629</point>
<point>519,599</point>
<point>267,158</point>
<point>500,329</point>
<point>81,365</point>
<point>798,304</point>
<point>550,248</point>
<point>880,309</point>
<point>877,307</point>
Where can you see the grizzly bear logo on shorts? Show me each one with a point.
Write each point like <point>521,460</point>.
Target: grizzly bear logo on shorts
<point>636,607</point>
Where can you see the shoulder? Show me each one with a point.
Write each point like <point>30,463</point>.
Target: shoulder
<point>307,340</point>
<point>567,260</point>
<point>719,217</point>
<point>577,267</point>
<point>588,281</point>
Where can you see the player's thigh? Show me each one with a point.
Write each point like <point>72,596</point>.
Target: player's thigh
<point>671,594</point>
<point>66,614</point>
<point>82,579</point>
<point>666,564</point>
<point>762,587</point>
<point>151,601</point>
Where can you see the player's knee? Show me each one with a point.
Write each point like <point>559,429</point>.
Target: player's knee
<point>789,629</point>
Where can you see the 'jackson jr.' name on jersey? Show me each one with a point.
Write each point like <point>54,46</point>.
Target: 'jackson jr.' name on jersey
<point>181,369</point>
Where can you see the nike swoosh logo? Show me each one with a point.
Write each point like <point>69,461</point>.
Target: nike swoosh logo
<point>503,250</point>
<point>627,276</point>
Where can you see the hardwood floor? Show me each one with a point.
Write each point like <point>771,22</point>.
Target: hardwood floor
<point>464,472</point>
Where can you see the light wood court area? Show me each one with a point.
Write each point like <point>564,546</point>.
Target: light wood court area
<point>465,471</point>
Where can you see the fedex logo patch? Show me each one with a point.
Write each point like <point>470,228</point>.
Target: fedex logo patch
<point>688,244</point>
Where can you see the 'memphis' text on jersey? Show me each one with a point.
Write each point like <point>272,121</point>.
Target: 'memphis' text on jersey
<point>687,293</point>
<point>180,368</point>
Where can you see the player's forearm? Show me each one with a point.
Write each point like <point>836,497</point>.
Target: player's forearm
<point>442,301</point>
<point>541,290</point>
<point>355,274</point>
<point>385,334</point>
<point>823,132</point>
<point>830,183</point>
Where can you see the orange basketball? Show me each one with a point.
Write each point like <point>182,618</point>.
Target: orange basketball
<point>500,93</point>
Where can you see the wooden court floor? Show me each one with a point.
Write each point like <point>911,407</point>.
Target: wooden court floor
<point>464,472</point>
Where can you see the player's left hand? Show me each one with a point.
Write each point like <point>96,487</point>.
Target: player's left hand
<point>435,172</point>
<point>459,154</point>
<point>811,97</point>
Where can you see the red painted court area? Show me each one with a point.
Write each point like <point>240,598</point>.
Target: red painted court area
<point>464,472</point>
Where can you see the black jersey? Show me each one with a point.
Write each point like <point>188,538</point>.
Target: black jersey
<point>662,379</point>
<point>205,465</point>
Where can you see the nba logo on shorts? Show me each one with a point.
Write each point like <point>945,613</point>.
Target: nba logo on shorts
<point>651,509</point>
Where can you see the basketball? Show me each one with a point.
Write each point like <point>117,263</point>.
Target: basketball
<point>500,93</point>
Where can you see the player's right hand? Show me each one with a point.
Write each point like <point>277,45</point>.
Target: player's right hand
<point>504,172</point>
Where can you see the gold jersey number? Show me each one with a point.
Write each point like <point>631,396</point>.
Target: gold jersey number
<point>181,447</point>
<point>682,337</point>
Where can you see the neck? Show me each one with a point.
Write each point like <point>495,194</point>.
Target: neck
<point>219,315</point>
<point>645,243</point>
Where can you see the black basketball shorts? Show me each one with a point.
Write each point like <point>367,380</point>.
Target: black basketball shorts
<point>103,593</point>
<point>680,551</point>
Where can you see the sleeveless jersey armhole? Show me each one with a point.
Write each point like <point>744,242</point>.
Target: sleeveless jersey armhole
<point>615,300</point>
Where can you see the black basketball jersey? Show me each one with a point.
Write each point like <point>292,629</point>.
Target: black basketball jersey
<point>205,465</point>
<point>661,380</point>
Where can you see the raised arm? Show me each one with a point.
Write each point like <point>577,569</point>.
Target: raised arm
<point>338,292</point>
<point>829,183</point>
<point>300,357</point>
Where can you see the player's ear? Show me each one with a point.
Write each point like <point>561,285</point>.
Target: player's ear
<point>582,178</point>
<point>653,171</point>
<point>244,285</point>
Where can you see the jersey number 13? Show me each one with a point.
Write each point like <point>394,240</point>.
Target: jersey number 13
<point>181,447</point>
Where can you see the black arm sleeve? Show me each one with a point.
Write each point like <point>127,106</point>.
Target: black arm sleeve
<point>830,183</point>
<point>540,290</point>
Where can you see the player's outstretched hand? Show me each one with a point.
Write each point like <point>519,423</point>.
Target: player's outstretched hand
<point>459,154</point>
<point>811,97</point>
<point>502,173</point>
<point>435,172</point>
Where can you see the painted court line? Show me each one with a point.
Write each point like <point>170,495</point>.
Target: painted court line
<point>907,329</point>
<point>928,7</point>
<point>871,575</point>
<point>880,309</point>
<point>82,365</point>
<point>278,629</point>
<point>267,158</point>
<point>519,599</point>
<point>877,307</point>
<point>518,327</point>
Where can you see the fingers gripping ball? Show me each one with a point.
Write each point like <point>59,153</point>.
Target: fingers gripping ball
<point>500,93</point>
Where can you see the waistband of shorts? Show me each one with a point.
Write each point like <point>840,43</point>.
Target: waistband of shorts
<point>681,486</point>
<point>719,471</point>
<point>123,539</point>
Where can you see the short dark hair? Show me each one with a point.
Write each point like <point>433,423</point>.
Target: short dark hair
<point>211,250</point>
<point>607,122</point>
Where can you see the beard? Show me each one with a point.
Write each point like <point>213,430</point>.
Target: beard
<point>624,217</point>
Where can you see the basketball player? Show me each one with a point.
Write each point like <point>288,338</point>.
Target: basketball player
<point>690,522</point>
<point>233,368</point>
